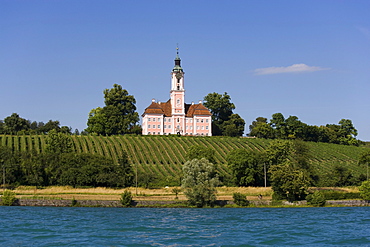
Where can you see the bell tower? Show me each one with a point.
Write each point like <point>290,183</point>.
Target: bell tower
<point>177,87</point>
<point>177,94</point>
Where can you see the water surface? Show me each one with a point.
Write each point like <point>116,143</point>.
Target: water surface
<point>48,226</point>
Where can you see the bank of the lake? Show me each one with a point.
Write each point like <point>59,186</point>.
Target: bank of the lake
<point>174,203</point>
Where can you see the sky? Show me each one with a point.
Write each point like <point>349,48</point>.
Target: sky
<point>309,59</point>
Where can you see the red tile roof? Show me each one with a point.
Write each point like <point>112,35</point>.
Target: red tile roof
<point>165,109</point>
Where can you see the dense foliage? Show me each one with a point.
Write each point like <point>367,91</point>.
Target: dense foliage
<point>199,182</point>
<point>280,127</point>
<point>224,121</point>
<point>365,190</point>
<point>240,199</point>
<point>158,160</point>
<point>74,169</point>
<point>117,117</point>
<point>14,124</point>
<point>316,199</point>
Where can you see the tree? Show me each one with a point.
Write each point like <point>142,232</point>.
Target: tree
<point>365,190</point>
<point>117,117</point>
<point>58,143</point>
<point>261,129</point>
<point>199,182</point>
<point>234,126</point>
<point>277,122</point>
<point>365,160</point>
<point>246,167</point>
<point>224,122</point>
<point>14,124</point>
<point>288,183</point>
<point>199,152</point>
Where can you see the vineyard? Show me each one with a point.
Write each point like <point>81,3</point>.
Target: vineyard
<point>162,156</point>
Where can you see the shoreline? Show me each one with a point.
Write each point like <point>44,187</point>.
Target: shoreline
<point>177,203</point>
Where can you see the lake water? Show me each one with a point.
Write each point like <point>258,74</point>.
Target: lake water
<point>48,226</point>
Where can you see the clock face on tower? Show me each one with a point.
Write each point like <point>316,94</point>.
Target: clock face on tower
<point>178,75</point>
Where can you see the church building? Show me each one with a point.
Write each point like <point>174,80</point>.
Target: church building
<point>175,116</point>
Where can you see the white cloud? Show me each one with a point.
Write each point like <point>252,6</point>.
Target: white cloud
<point>295,68</point>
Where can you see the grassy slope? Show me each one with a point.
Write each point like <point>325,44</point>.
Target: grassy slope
<point>164,155</point>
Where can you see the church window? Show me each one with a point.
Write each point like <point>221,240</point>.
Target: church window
<point>178,120</point>
<point>148,119</point>
<point>164,120</point>
<point>169,120</point>
<point>159,119</point>
<point>191,127</point>
<point>159,126</point>
<point>197,120</point>
<point>159,133</point>
<point>201,120</point>
<point>178,101</point>
<point>169,126</point>
<point>202,127</point>
<point>148,126</point>
<point>206,120</point>
<point>148,133</point>
<point>191,120</point>
<point>197,127</point>
<point>165,126</point>
<point>206,127</point>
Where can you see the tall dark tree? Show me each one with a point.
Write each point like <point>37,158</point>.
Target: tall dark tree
<point>14,124</point>
<point>117,117</point>
<point>224,121</point>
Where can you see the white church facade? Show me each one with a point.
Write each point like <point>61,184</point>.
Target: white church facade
<point>175,116</point>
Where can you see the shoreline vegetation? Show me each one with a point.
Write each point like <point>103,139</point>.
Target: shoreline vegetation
<point>67,196</point>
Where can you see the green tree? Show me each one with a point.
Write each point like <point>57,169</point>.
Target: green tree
<point>261,129</point>
<point>117,117</point>
<point>234,126</point>
<point>277,122</point>
<point>317,199</point>
<point>199,182</point>
<point>126,199</point>
<point>199,152</point>
<point>288,183</point>
<point>14,124</point>
<point>224,122</point>
<point>58,143</point>
<point>246,166</point>
<point>365,190</point>
<point>365,160</point>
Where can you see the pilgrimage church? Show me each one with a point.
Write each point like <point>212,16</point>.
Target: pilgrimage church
<point>175,116</point>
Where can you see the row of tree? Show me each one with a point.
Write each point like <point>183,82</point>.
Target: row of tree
<point>284,166</point>
<point>14,125</point>
<point>119,117</point>
<point>58,165</point>
<point>280,127</point>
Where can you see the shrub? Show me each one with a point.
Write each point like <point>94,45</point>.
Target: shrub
<point>126,199</point>
<point>8,198</point>
<point>365,190</point>
<point>335,195</point>
<point>240,199</point>
<point>317,199</point>
<point>176,191</point>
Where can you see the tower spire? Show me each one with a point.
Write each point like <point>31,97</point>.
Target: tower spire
<point>177,60</point>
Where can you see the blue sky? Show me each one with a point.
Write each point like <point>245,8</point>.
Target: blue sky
<point>309,59</point>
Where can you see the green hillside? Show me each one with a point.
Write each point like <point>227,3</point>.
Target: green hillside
<point>163,156</point>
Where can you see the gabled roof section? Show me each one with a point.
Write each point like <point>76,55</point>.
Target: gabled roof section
<point>197,109</point>
<point>159,108</point>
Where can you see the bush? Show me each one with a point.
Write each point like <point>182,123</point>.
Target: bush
<point>317,199</point>
<point>8,198</point>
<point>336,195</point>
<point>126,199</point>
<point>365,190</point>
<point>240,199</point>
